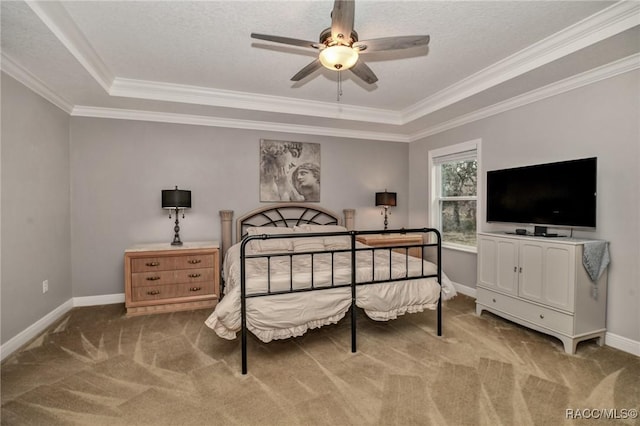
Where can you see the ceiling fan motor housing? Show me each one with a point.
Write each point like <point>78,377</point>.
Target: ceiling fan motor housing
<point>325,38</point>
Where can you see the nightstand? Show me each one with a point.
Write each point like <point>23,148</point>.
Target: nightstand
<point>165,278</point>
<point>391,240</point>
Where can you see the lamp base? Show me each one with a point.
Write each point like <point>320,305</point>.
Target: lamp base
<point>176,230</point>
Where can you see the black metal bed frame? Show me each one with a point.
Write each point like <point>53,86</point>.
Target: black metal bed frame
<point>353,284</point>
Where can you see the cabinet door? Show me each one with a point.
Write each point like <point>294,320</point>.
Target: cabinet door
<point>531,271</point>
<point>497,263</point>
<point>547,273</point>
<point>559,276</point>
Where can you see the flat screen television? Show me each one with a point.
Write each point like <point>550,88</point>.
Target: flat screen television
<point>552,194</point>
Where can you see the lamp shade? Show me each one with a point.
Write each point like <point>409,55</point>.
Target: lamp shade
<point>386,199</point>
<point>176,199</point>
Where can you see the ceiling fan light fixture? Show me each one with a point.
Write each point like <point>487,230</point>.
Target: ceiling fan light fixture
<point>339,57</point>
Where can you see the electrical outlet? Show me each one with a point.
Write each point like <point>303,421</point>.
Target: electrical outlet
<point>45,286</point>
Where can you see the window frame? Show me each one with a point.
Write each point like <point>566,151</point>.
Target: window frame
<point>435,215</point>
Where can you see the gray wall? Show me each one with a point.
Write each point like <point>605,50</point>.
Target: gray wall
<point>35,208</point>
<point>119,168</point>
<point>600,120</point>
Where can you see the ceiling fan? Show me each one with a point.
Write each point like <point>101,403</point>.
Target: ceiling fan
<point>340,48</point>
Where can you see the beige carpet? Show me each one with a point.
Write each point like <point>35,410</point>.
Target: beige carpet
<point>98,367</point>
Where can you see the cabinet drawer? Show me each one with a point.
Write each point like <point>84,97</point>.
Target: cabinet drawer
<point>147,264</point>
<point>533,313</point>
<point>194,261</point>
<point>159,292</point>
<point>141,279</point>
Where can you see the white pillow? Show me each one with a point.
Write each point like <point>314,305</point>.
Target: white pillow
<point>277,245</point>
<point>308,244</point>
<point>309,228</point>
<point>330,243</point>
<point>337,243</point>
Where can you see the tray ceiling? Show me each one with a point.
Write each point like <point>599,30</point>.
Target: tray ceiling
<point>194,62</point>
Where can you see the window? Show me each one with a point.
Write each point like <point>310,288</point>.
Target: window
<point>454,194</point>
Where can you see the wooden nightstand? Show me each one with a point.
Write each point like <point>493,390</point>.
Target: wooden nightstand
<point>390,240</point>
<point>166,278</point>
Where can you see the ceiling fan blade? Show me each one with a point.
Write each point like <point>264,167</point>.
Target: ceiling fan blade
<point>363,71</point>
<point>391,43</point>
<point>285,40</point>
<point>342,19</point>
<point>307,70</point>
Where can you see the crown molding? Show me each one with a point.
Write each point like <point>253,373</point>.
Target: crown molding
<point>612,69</point>
<point>11,68</point>
<point>627,64</point>
<point>610,21</point>
<point>613,20</point>
<point>57,19</point>
<point>143,89</point>
<point>198,120</point>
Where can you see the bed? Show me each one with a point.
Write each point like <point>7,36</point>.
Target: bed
<point>291,270</point>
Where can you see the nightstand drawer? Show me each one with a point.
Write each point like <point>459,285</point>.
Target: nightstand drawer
<point>142,279</point>
<point>171,262</point>
<point>195,261</point>
<point>159,292</point>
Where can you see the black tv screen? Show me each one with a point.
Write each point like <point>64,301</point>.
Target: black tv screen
<point>561,194</point>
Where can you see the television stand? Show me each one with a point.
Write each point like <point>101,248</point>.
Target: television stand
<point>541,284</point>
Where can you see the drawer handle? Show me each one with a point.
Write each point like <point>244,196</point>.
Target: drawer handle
<point>541,316</point>
<point>195,261</point>
<point>194,275</point>
<point>195,289</point>
<point>153,278</point>
<point>153,292</point>
<point>152,263</point>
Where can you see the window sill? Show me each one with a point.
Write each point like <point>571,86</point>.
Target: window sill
<point>460,247</point>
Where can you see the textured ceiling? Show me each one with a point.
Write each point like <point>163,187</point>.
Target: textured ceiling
<point>195,61</point>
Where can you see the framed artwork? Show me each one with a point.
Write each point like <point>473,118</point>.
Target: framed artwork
<point>289,171</point>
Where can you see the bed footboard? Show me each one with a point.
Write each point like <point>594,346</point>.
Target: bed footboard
<point>355,253</point>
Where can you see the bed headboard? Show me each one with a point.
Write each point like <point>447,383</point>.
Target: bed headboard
<point>284,215</point>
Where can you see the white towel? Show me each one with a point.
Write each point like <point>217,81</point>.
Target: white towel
<point>595,258</point>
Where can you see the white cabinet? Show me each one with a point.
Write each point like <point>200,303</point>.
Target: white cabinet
<point>541,284</point>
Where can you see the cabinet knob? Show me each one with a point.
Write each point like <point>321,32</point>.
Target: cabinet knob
<point>194,275</point>
<point>195,261</point>
<point>153,278</point>
<point>152,263</point>
<point>195,289</point>
<point>153,292</point>
<point>494,300</point>
<point>541,316</point>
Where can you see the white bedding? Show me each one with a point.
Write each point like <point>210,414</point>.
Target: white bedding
<point>289,315</point>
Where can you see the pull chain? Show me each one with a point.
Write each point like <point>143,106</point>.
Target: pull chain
<point>339,85</point>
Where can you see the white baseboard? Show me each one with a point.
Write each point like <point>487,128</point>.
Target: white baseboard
<point>105,299</point>
<point>22,338</point>
<point>466,290</point>
<point>622,343</point>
